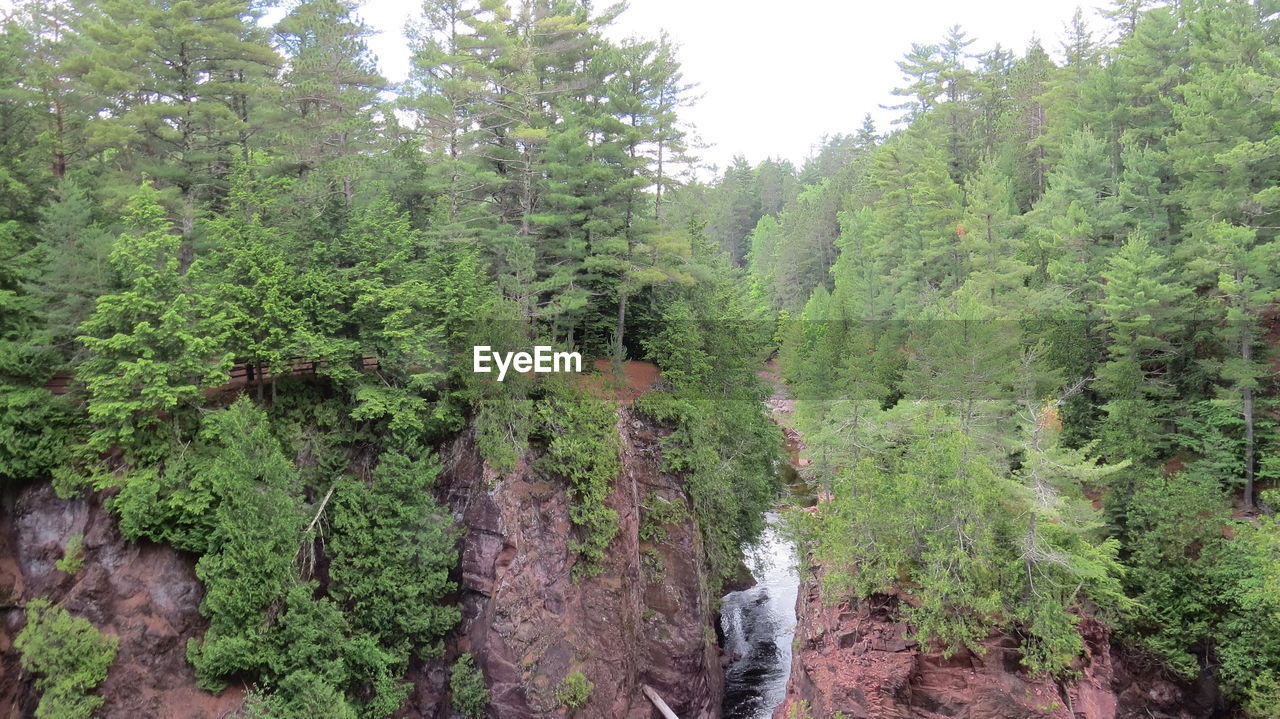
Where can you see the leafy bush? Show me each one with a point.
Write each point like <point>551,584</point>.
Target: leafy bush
<point>582,446</point>
<point>73,556</point>
<point>502,425</point>
<point>574,690</point>
<point>976,544</point>
<point>392,548</point>
<point>255,531</point>
<point>466,685</point>
<point>658,513</point>
<point>1172,522</point>
<point>1245,573</point>
<point>34,429</point>
<point>71,657</point>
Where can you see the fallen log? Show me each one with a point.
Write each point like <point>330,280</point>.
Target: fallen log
<point>657,702</point>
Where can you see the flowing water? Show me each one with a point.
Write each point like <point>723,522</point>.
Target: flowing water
<point>758,624</point>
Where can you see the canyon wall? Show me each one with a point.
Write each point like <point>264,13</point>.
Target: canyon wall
<point>856,658</point>
<point>647,618</point>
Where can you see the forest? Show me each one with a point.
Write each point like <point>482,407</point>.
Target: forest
<point>1030,327</point>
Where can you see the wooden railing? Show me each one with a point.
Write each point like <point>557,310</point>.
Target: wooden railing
<point>242,374</point>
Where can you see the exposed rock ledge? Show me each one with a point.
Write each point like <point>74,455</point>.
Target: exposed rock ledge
<point>646,619</point>
<point>855,658</point>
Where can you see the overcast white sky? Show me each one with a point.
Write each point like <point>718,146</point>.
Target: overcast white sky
<point>776,76</point>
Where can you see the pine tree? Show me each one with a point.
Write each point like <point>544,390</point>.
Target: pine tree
<point>444,93</point>
<point>739,212</point>
<point>1073,224</point>
<point>74,247</point>
<point>330,89</point>
<point>1142,308</point>
<point>1246,286</point>
<point>172,90</point>
<point>251,278</point>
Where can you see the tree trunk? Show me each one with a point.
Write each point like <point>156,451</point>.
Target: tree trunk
<point>622,324</point>
<point>1246,353</point>
<point>187,250</point>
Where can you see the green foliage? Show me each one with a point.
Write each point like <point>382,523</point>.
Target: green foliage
<point>152,349</point>
<point>502,425</point>
<point>1103,226</point>
<point>1173,522</point>
<point>35,431</point>
<point>234,498</point>
<point>1248,645</point>
<point>658,512</point>
<point>466,688</point>
<point>72,555</point>
<point>70,656</point>
<point>709,343</point>
<point>248,564</point>
<point>936,514</point>
<point>392,549</point>
<point>582,447</point>
<point>727,450</point>
<point>799,710</point>
<point>574,690</point>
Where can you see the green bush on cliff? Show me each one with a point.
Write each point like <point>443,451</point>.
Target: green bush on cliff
<point>574,690</point>
<point>466,685</point>
<point>582,446</point>
<point>71,657</point>
<point>35,428</point>
<point>391,551</point>
<point>73,556</point>
<point>256,530</point>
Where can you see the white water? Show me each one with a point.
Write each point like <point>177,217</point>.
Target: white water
<point>758,625</point>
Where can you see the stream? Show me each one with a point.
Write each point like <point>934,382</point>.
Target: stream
<point>758,624</point>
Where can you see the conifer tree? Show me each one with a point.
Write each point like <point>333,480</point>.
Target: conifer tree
<point>330,89</point>
<point>152,348</point>
<point>1142,309</point>
<point>1246,285</point>
<point>172,89</point>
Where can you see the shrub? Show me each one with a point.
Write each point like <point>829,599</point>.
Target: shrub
<point>392,548</point>
<point>73,556</point>
<point>466,684</point>
<point>582,447</point>
<point>71,656</point>
<point>574,690</point>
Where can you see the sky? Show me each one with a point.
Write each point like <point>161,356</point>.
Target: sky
<point>774,77</point>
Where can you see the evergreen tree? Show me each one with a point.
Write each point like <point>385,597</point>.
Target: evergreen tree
<point>1143,312</point>
<point>152,350</point>
<point>172,89</point>
<point>330,89</point>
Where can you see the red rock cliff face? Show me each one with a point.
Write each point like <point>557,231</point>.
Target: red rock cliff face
<point>855,658</point>
<point>646,619</point>
<point>146,594</point>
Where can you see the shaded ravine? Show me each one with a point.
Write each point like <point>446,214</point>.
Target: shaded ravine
<point>758,625</point>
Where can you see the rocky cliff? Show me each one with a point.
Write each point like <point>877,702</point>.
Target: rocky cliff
<point>646,619</point>
<point>856,658</point>
<point>146,594</point>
